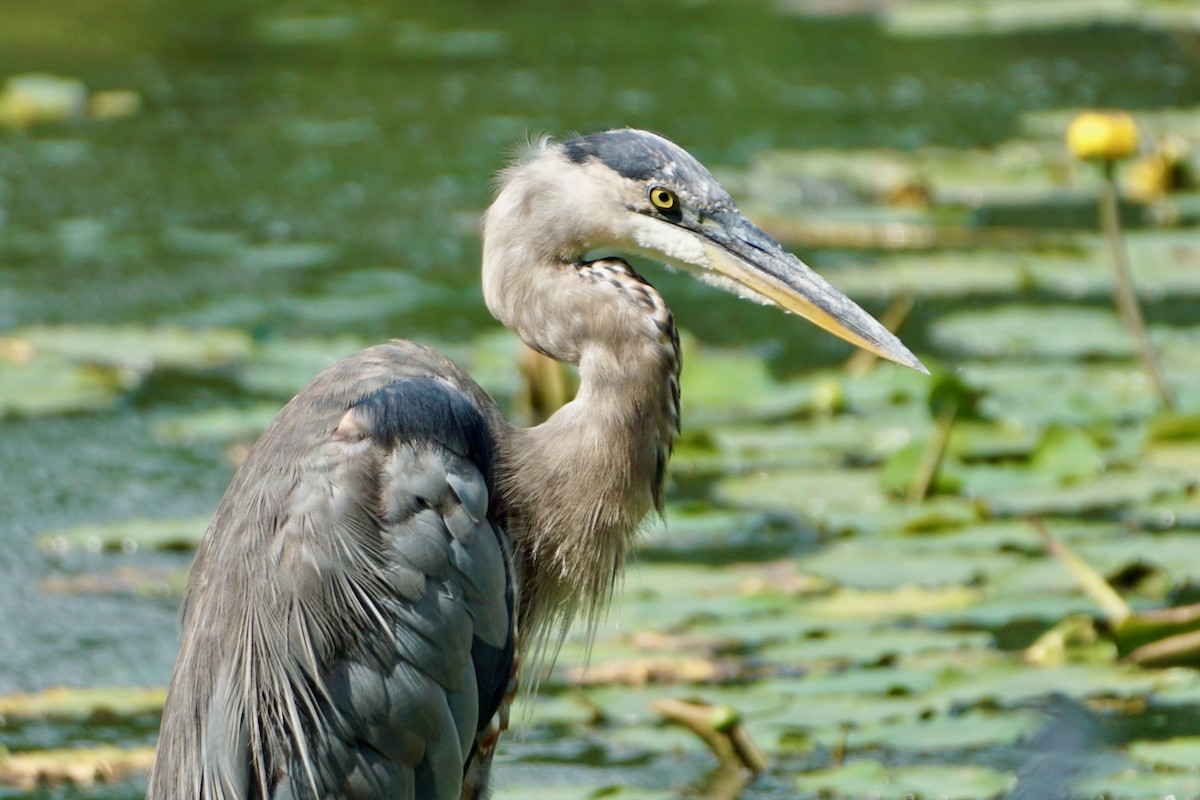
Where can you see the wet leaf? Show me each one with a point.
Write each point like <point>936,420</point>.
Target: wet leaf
<point>45,385</point>
<point>124,581</point>
<point>61,703</point>
<point>1173,426</point>
<point>974,729</point>
<point>82,766</point>
<point>1068,455</point>
<point>868,778</point>
<point>1181,753</point>
<point>1061,332</point>
<point>894,563</point>
<point>730,384</point>
<point>903,602</point>
<point>222,425</point>
<point>285,256</point>
<point>282,367</point>
<point>1133,784</point>
<point>131,534</point>
<point>141,348</point>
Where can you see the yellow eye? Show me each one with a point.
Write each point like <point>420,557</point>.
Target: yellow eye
<point>663,199</point>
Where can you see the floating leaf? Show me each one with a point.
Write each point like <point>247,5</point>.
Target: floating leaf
<point>61,703</point>
<point>1028,332</point>
<point>903,602</point>
<point>45,385</point>
<point>217,425</point>
<point>975,729</point>
<point>1181,753</point>
<point>1133,784</point>
<point>285,256</point>
<point>1068,455</point>
<point>868,778</point>
<point>141,348</point>
<point>82,766</point>
<point>131,534</point>
<point>282,367</point>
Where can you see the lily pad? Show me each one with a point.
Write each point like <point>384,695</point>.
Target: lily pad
<point>891,563</point>
<point>131,534</point>
<point>1062,332</point>
<point>1181,753</point>
<point>141,348</point>
<point>974,729</point>
<point>730,384</point>
<point>222,425</point>
<point>63,703</point>
<point>282,367</point>
<point>1134,784</point>
<point>900,603</point>
<point>81,766</point>
<point>45,385</point>
<point>868,778</point>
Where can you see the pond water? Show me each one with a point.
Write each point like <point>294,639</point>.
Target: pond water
<point>309,169</point>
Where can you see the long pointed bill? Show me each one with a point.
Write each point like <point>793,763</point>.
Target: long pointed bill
<point>743,254</point>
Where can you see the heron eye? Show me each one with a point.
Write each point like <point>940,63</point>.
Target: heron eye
<point>663,199</point>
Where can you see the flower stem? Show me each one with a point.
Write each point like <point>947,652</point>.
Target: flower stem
<point>1123,292</point>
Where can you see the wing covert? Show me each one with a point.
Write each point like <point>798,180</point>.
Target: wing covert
<point>358,634</point>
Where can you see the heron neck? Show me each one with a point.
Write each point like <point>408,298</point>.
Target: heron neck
<point>578,486</point>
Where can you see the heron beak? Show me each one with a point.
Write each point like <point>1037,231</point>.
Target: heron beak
<point>740,252</point>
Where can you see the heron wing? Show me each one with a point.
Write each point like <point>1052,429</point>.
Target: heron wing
<point>349,623</point>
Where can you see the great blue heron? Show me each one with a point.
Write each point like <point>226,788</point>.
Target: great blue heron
<point>351,619</point>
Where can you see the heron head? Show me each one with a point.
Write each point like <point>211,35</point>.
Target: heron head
<point>637,191</point>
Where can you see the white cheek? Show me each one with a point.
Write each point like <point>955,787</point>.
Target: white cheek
<point>664,241</point>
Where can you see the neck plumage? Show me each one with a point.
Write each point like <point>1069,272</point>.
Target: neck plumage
<point>575,489</point>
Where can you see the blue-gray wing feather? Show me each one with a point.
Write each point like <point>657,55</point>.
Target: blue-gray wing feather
<point>349,624</point>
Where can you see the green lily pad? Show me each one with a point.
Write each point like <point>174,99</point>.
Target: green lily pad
<point>900,603</point>
<point>124,581</point>
<point>1012,17</point>
<point>587,791</point>
<point>868,778</point>
<point>1173,426</point>
<point>1009,490</point>
<point>1058,332</point>
<point>141,348</point>
<point>285,256</point>
<point>977,440</point>
<point>863,642</point>
<point>222,425</point>
<point>730,385</point>
<point>131,534</point>
<point>1133,784</point>
<point>890,563</point>
<point>62,703</point>
<point>977,728</point>
<point>1011,684</point>
<point>1180,753</point>
<point>933,275</point>
<point>1068,455</point>
<point>1034,395</point>
<point>46,384</point>
<point>282,367</point>
<point>816,494</point>
<point>81,766</point>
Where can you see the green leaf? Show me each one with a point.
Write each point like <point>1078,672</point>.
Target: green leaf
<point>131,534</point>
<point>1056,332</point>
<point>865,777</point>
<point>141,348</point>
<point>47,384</point>
<point>63,703</point>
<point>1068,455</point>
